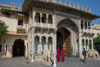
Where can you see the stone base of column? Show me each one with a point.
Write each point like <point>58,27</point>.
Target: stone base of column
<point>32,58</point>
<point>54,65</point>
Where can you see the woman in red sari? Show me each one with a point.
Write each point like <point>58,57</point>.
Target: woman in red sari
<point>58,54</point>
<point>62,54</point>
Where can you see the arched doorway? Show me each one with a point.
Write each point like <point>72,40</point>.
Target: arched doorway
<point>18,43</point>
<point>64,40</point>
<point>68,33</point>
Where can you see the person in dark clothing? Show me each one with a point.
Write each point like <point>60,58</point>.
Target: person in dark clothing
<point>84,54</point>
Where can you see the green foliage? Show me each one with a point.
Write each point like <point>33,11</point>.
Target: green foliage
<point>97,40</point>
<point>3,29</point>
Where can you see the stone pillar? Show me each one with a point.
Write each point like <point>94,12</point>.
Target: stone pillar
<point>33,45</point>
<point>33,18</point>
<point>87,25</point>
<point>40,17</point>
<point>47,42</point>
<point>54,42</point>
<point>90,25</point>
<point>88,44</point>
<point>47,18</point>
<point>80,40</point>
<point>72,42</point>
<point>75,40</point>
<point>83,25</point>
<point>92,43</point>
<point>85,43</point>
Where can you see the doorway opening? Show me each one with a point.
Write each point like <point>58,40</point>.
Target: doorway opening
<point>64,40</point>
<point>18,48</point>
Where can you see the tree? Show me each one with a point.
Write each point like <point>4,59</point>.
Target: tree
<point>97,40</point>
<point>3,29</point>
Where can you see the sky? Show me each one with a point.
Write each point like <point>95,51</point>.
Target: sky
<point>93,4</point>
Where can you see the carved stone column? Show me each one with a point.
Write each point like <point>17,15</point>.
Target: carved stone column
<point>34,13</point>
<point>47,18</point>
<point>40,17</point>
<point>92,43</point>
<point>33,45</point>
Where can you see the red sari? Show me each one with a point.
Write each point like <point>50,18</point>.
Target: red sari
<point>58,54</point>
<point>62,54</point>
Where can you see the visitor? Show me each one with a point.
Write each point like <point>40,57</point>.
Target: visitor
<point>58,54</point>
<point>18,51</point>
<point>84,55</point>
<point>62,54</point>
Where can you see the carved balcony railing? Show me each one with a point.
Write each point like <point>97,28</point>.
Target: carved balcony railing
<point>17,6</point>
<point>88,31</point>
<point>44,25</point>
<point>70,4</point>
<point>20,27</point>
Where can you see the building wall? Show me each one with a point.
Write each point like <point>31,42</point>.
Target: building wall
<point>9,41</point>
<point>96,29</point>
<point>11,22</point>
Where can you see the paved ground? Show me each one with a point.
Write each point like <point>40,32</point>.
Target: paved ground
<point>69,62</point>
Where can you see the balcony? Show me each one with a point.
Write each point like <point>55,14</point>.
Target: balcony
<point>88,32</point>
<point>44,25</point>
<point>20,27</point>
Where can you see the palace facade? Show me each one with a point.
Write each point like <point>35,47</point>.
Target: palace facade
<point>46,24</point>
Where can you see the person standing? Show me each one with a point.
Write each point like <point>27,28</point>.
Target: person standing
<point>84,55</point>
<point>18,51</point>
<point>62,54</point>
<point>58,54</point>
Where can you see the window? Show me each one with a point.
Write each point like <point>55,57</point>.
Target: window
<point>43,19</point>
<point>20,21</point>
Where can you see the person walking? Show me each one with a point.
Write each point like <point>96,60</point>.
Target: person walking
<point>62,54</point>
<point>58,54</point>
<point>84,55</point>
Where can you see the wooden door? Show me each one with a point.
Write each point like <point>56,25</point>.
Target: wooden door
<point>68,51</point>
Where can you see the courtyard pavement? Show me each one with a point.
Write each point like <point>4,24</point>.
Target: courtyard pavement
<point>69,62</point>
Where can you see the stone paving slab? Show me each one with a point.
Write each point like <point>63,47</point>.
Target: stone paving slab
<point>69,62</point>
<point>75,62</point>
<point>19,62</point>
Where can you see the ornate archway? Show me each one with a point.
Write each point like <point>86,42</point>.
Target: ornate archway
<point>18,44</point>
<point>66,31</point>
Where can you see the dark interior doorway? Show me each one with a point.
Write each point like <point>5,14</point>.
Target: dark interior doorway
<point>18,44</point>
<point>64,40</point>
<point>59,40</point>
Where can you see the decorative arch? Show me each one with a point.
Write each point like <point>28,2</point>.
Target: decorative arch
<point>18,44</point>
<point>37,17</point>
<point>43,42</point>
<point>37,38</point>
<point>68,37</point>
<point>50,19</point>
<point>36,43</point>
<point>69,19</point>
<point>44,18</point>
